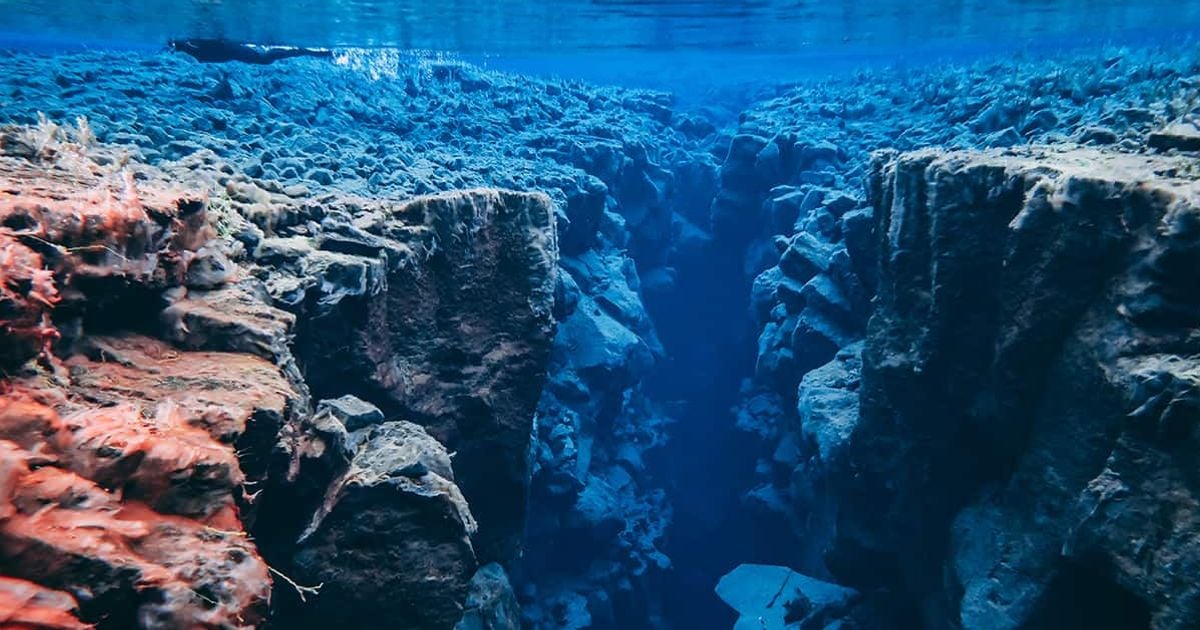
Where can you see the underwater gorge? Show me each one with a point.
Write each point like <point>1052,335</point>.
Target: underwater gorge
<point>376,339</point>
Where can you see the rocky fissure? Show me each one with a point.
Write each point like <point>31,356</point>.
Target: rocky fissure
<point>910,348</point>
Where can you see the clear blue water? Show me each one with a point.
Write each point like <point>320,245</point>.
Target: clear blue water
<point>563,26</point>
<point>642,43</point>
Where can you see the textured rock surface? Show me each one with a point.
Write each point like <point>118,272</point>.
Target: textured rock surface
<point>291,153</point>
<point>122,486</point>
<point>165,407</point>
<point>811,184</point>
<point>27,605</point>
<point>304,168</point>
<point>1029,436</point>
<point>392,538</point>
<point>491,603</point>
<point>439,310</point>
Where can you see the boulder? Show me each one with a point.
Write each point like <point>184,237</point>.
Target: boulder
<point>491,604</point>
<point>774,598</point>
<point>395,506</point>
<point>353,412</point>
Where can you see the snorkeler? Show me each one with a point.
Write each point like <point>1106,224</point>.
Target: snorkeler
<point>221,50</point>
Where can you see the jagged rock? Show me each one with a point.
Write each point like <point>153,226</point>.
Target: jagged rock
<point>260,159</point>
<point>395,507</point>
<point>491,604</point>
<point>806,257</point>
<point>26,605</point>
<point>353,412</point>
<point>454,333</point>
<point>235,317</point>
<point>1183,136</point>
<point>858,229</point>
<point>158,553</point>
<point>774,598</point>
<point>828,403</point>
<point>1029,392</point>
<point>66,217</point>
<point>125,463</point>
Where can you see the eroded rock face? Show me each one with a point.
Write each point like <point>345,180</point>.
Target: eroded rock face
<point>439,311</point>
<point>24,604</point>
<point>122,483</point>
<point>1030,435</point>
<point>288,170</point>
<point>491,603</point>
<point>392,538</point>
<point>153,411</point>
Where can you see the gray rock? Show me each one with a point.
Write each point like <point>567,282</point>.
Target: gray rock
<point>354,412</point>
<point>450,322</point>
<point>1029,391</point>
<point>775,598</point>
<point>827,404</point>
<point>806,257</point>
<point>209,269</point>
<point>394,507</point>
<point>491,604</point>
<point>1182,136</point>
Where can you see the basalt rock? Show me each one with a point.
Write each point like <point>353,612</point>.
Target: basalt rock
<point>438,310</point>
<point>392,537</point>
<point>125,459</point>
<point>1029,391</point>
<point>774,598</point>
<point>153,412</point>
<point>491,604</point>
<point>24,604</point>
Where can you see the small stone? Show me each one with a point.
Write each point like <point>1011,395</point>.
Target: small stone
<point>353,411</point>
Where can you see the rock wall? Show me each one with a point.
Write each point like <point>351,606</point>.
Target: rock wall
<point>409,333</point>
<point>437,310</point>
<point>1026,437</point>
<point>307,165</point>
<point>123,486</point>
<point>811,305</point>
<point>157,406</point>
<point>807,182</point>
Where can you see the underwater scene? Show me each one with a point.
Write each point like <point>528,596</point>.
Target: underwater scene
<point>600,314</point>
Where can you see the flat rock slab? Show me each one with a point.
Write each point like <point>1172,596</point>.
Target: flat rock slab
<point>773,598</point>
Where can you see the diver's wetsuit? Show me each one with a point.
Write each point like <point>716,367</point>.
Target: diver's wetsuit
<point>220,50</point>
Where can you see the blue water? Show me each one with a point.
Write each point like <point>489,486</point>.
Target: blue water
<point>564,26</point>
<point>668,44</point>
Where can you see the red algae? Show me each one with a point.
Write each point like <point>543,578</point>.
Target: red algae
<point>119,479</point>
<point>25,605</point>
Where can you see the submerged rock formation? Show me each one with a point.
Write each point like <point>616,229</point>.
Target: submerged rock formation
<point>1029,436</point>
<point>773,598</point>
<point>122,486</point>
<point>154,412</point>
<point>302,160</point>
<point>395,505</point>
<point>1016,446</point>
<point>390,438</point>
<point>439,311</point>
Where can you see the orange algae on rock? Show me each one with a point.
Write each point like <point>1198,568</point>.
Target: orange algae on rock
<point>121,489</point>
<point>155,530</point>
<point>28,606</point>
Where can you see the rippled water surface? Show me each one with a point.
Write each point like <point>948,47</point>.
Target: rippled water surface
<point>537,26</point>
